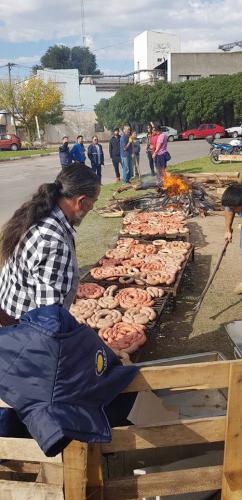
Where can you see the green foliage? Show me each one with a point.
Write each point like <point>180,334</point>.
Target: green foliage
<point>29,99</point>
<point>180,105</point>
<point>62,57</point>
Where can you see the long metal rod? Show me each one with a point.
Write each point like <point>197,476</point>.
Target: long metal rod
<point>222,254</point>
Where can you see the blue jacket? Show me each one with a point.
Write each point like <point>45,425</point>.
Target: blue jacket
<point>78,153</point>
<point>93,156</point>
<point>58,375</point>
<point>64,154</point>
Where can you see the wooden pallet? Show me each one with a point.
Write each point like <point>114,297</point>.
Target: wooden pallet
<point>27,474</point>
<point>228,428</point>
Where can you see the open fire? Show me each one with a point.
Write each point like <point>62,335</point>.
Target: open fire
<point>175,185</point>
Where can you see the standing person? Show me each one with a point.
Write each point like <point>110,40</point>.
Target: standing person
<point>78,150</point>
<point>126,148</point>
<point>64,152</point>
<point>37,244</point>
<point>232,202</point>
<point>149,148</point>
<point>135,154</point>
<point>96,157</point>
<point>114,152</point>
<point>160,154</point>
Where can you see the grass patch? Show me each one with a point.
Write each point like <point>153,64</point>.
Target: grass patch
<point>4,155</point>
<point>204,164</point>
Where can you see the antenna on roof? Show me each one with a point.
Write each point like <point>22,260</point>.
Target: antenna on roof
<point>83,24</point>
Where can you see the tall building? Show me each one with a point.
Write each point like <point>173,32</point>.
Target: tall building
<point>151,50</point>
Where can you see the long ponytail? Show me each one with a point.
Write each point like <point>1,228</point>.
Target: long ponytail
<point>74,180</point>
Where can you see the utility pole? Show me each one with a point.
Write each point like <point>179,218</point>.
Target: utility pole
<point>10,66</point>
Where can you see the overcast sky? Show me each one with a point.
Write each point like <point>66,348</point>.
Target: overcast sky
<point>29,27</point>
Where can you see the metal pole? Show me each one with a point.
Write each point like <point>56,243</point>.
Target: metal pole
<point>37,126</point>
<point>10,65</point>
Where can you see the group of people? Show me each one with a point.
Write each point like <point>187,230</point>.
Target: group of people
<point>124,151</point>
<point>78,154</point>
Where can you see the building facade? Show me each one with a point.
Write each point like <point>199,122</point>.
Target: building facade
<point>151,50</point>
<point>192,66</point>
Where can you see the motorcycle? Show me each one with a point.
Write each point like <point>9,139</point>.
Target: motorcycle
<point>221,148</point>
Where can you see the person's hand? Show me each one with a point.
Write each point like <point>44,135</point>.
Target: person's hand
<point>228,235</point>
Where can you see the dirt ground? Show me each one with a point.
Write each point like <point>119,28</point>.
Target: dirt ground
<point>184,331</point>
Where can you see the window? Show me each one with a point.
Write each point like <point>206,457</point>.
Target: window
<point>99,127</point>
<point>164,129</point>
<point>184,78</point>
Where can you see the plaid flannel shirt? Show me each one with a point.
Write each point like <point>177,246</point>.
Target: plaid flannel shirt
<point>40,271</point>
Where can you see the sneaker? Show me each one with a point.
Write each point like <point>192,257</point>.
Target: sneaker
<point>117,179</point>
<point>238,289</point>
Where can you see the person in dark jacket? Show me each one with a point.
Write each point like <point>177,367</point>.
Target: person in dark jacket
<point>78,151</point>
<point>64,381</point>
<point>96,157</point>
<point>64,153</point>
<point>114,152</point>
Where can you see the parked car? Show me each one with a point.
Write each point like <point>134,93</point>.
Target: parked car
<point>142,137</point>
<point>234,131</point>
<point>169,131</point>
<point>10,141</point>
<point>211,130</point>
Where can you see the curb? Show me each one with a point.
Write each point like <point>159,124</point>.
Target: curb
<point>38,155</point>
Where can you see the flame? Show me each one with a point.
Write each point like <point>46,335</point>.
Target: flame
<point>174,184</point>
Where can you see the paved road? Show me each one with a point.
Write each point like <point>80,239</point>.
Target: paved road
<point>18,179</point>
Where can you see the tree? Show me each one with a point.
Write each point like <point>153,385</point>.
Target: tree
<point>182,105</point>
<point>29,99</point>
<point>62,57</point>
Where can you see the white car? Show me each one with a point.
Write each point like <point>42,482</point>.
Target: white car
<point>169,131</point>
<point>234,131</point>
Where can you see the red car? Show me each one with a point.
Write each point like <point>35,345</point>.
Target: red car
<point>10,141</point>
<point>211,130</point>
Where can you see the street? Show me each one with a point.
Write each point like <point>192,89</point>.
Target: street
<point>20,178</point>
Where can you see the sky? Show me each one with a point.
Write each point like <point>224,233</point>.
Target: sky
<point>29,27</point>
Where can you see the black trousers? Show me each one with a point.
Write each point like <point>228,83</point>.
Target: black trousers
<point>151,162</point>
<point>116,162</point>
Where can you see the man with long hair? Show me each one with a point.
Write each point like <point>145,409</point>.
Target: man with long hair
<point>37,244</point>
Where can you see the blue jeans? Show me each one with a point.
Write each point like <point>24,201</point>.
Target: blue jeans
<point>127,166</point>
<point>98,170</point>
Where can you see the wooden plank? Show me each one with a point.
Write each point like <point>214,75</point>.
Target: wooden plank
<point>233,439</point>
<point>95,472</point>
<point>232,486</point>
<point>209,375</point>
<point>206,430</point>
<point>20,467</point>
<point>25,450</point>
<point>17,490</point>
<point>75,471</point>
<point>230,158</point>
<point>164,483</point>
<point>51,474</point>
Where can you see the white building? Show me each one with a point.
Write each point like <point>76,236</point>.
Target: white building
<point>151,49</point>
<point>67,81</point>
